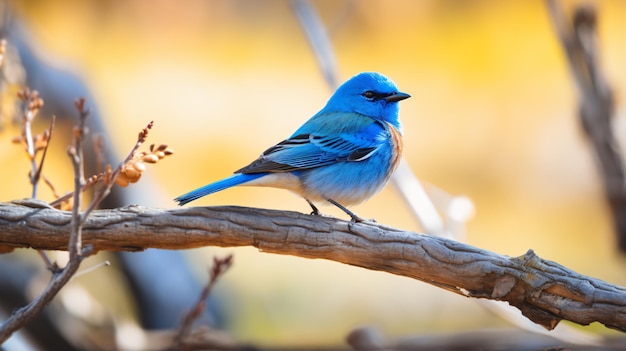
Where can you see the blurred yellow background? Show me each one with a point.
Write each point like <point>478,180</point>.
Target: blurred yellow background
<point>492,116</point>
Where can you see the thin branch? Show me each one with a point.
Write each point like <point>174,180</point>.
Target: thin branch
<point>109,176</point>
<point>45,151</point>
<point>544,291</point>
<point>32,105</point>
<point>88,184</point>
<point>76,156</point>
<point>220,266</point>
<point>30,149</point>
<point>74,227</point>
<point>60,277</point>
<point>23,315</point>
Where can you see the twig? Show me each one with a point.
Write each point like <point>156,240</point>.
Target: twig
<point>32,105</point>
<point>23,315</point>
<point>76,156</point>
<point>544,291</point>
<point>52,266</point>
<point>109,176</point>
<point>220,266</point>
<point>45,151</point>
<point>77,253</point>
<point>106,263</point>
<point>596,103</point>
<point>88,184</point>
<point>50,186</point>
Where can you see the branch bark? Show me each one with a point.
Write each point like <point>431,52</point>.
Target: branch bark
<point>543,291</point>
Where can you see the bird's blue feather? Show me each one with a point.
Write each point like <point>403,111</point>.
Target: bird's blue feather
<point>334,137</point>
<point>343,154</point>
<point>235,179</point>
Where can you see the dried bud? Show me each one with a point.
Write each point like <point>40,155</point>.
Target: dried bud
<point>139,166</point>
<point>122,180</point>
<point>143,134</point>
<point>150,158</point>
<point>131,173</point>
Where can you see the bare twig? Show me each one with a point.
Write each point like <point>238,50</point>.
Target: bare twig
<point>543,291</point>
<point>220,266</point>
<point>32,104</point>
<point>75,153</point>
<point>23,315</point>
<point>128,171</point>
<point>596,103</point>
<point>77,251</point>
<point>111,176</point>
<point>60,277</point>
<point>88,184</point>
<point>45,151</point>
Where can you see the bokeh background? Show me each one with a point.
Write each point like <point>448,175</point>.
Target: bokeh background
<point>492,117</point>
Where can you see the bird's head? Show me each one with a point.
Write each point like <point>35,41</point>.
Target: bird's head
<point>370,94</point>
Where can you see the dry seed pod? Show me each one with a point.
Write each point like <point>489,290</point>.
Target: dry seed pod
<point>134,179</point>
<point>150,158</point>
<point>131,173</point>
<point>139,166</point>
<point>122,180</point>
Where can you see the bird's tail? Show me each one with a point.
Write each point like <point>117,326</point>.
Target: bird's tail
<point>226,183</point>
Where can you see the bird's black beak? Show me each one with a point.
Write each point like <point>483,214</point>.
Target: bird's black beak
<point>395,97</point>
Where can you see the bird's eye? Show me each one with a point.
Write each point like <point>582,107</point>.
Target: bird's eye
<point>369,94</point>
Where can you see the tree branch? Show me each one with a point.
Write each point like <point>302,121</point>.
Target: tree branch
<point>578,38</point>
<point>543,291</point>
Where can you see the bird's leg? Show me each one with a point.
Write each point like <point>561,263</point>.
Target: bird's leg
<point>315,212</point>
<point>355,218</point>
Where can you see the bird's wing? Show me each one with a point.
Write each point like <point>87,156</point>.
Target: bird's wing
<point>344,142</point>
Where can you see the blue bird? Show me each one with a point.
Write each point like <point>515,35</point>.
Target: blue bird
<point>343,155</point>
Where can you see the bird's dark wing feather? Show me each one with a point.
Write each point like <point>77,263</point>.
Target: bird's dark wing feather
<point>306,151</point>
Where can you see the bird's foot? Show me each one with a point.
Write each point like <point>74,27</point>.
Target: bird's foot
<point>315,211</point>
<point>354,218</point>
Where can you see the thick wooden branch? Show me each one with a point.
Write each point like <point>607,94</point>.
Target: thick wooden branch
<point>544,291</point>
